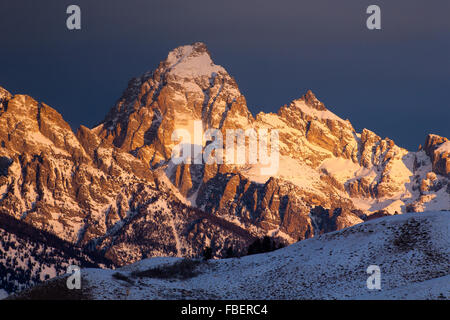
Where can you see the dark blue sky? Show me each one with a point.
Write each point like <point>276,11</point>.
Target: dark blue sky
<point>394,81</point>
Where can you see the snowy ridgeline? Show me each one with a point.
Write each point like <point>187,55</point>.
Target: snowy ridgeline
<point>412,251</point>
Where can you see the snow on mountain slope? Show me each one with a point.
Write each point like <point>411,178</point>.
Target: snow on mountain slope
<point>445,147</point>
<point>187,62</point>
<point>412,251</point>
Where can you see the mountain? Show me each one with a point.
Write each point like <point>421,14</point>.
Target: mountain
<point>411,250</point>
<point>323,160</point>
<point>115,190</point>
<point>94,195</point>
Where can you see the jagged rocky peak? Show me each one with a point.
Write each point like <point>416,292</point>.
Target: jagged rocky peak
<point>311,100</point>
<point>433,142</point>
<point>4,94</point>
<point>308,108</point>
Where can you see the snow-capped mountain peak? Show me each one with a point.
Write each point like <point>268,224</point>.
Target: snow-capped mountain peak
<point>191,61</point>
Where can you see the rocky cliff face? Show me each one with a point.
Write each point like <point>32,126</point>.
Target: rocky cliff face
<point>90,193</point>
<point>115,190</point>
<point>438,149</point>
<point>53,183</point>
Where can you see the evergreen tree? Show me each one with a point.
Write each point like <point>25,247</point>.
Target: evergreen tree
<point>207,253</point>
<point>229,253</point>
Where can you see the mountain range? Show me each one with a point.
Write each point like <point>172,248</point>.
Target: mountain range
<point>111,195</point>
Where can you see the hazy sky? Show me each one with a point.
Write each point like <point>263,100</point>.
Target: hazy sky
<point>394,81</point>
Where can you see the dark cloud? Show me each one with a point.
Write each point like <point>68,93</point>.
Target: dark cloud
<point>394,81</point>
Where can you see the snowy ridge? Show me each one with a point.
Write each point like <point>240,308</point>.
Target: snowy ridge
<point>316,114</point>
<point>412,251</point>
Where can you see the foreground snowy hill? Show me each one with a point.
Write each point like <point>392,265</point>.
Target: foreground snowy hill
<point>412,251</point>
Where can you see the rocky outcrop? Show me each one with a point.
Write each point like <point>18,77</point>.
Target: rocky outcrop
<point>438,149</point>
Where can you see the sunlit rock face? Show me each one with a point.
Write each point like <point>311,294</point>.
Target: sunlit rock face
<point>438,149</point>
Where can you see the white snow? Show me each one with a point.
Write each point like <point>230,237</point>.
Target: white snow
<point>289,169</point>
<point>437,201</point>
<point>445,147</point>
<point>3,294</point>
<point>317,114</point>
<point>343,169</point>
<point>185,62</point>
